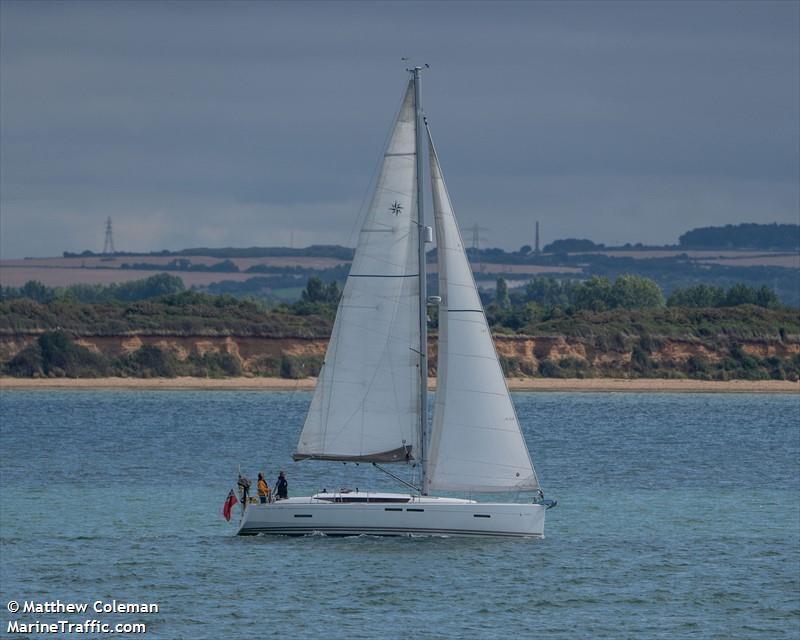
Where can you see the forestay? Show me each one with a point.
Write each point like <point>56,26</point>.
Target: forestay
<point>476,441</point>
<point>366,402</point>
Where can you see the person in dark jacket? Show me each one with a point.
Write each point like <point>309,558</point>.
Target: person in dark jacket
<point>244,489</point>
<point>282,487</point>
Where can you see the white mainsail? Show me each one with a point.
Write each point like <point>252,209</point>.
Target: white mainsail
<point>366,402</point>
<point>476,440</point>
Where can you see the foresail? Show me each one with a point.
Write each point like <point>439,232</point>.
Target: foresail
<point>366,402</point>
<point>476,440</point>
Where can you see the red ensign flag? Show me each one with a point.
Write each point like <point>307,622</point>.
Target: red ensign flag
<point>229,502</point>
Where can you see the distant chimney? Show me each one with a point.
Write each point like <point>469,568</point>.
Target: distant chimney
<point>536,249</point>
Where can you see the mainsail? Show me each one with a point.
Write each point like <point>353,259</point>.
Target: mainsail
<point>476,441</point>
<point>366,402</point>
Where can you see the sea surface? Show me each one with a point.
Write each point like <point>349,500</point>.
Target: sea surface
<point>678,517</point>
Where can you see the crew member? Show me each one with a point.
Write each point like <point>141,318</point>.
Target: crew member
<point>282,487</point>
<point>244,489</point>
<point>263,489</point>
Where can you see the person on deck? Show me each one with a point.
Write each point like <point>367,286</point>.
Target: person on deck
<point>282,487</point>
<point>244,489</point>
<point>263,489</point>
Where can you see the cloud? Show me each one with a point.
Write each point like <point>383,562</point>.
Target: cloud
<point>232,123</point>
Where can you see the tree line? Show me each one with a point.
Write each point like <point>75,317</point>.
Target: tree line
<point>743,236</point>
<point>161,284</point>
<point>597,293</point>
<point>545,297</point>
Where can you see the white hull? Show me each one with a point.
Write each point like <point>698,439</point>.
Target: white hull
<point>393,515</point>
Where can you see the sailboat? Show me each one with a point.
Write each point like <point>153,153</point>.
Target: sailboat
<point>370,401</point>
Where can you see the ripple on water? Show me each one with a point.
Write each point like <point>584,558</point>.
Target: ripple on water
<point>653,536</point>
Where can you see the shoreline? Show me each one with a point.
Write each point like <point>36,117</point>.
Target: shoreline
<point>605,385</point>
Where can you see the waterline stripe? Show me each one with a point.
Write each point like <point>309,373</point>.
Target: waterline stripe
<point>349,531</point>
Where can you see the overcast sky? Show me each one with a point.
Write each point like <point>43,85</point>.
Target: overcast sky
<point>234,124</point>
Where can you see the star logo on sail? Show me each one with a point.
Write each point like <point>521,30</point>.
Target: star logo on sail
<point>396,208</point>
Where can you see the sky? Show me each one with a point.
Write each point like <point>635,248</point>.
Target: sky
<point>263,123</point>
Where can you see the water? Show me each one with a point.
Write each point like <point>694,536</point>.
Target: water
<point>678,517</point>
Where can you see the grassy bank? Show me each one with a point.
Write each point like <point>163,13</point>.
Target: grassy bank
<point>190,334</point>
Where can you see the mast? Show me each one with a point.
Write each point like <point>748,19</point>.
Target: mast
<point>423,294</point>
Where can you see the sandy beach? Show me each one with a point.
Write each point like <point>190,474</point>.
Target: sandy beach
<point>515,384</point>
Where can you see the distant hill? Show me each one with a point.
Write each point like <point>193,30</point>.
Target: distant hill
<point>571,245</point>
<point>743,236</point>
<point>751,254</point>
<point>315,250</point>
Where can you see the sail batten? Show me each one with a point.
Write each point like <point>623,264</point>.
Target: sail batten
<point>366,405</point>
<point>401,454</point>
<point>476,444</point>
